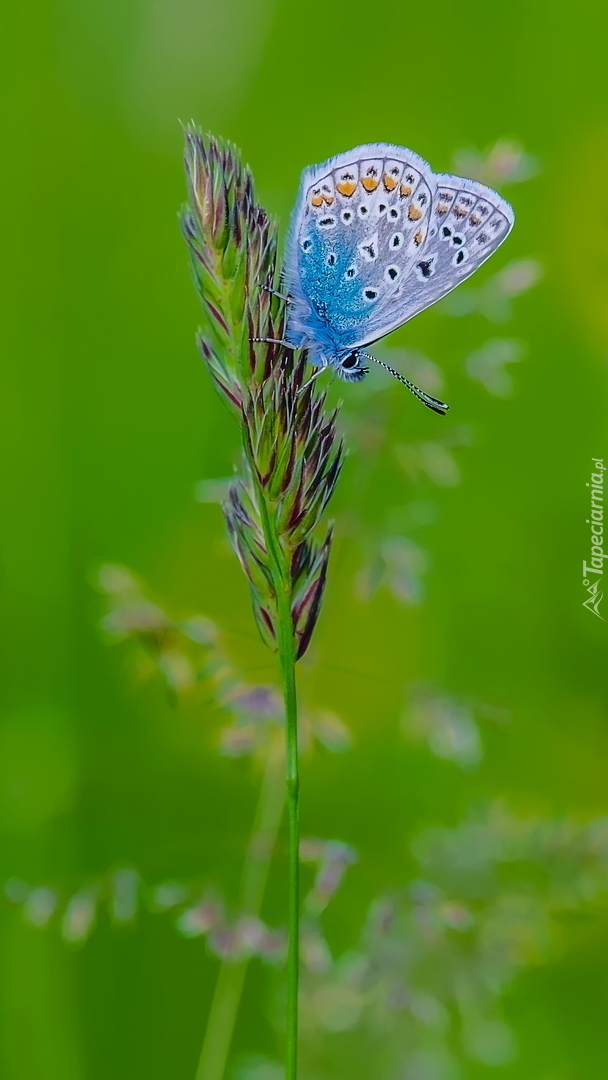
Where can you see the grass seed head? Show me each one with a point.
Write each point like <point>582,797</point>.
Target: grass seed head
<point>291,456</point>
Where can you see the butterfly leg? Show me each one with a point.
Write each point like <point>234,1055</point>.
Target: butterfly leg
<point>318,372</point>
<point>275,341</point>
<point>274,292</point>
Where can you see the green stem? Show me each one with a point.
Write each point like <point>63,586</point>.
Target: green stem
<point>287,662</point>
<point>231,977</point>
<point>222,1020</point>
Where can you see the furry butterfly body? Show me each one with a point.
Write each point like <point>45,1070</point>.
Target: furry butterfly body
<point>376,237</point>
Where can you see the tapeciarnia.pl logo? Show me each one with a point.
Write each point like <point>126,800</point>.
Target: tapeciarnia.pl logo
<point>593,573</point>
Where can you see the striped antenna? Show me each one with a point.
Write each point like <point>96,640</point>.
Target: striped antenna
<point>426,399</point>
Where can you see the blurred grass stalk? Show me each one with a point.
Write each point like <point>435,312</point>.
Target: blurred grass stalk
<point>231,977</point>
<point>290,461</point>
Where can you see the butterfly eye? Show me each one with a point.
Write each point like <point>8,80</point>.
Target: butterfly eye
<point>351,367</point>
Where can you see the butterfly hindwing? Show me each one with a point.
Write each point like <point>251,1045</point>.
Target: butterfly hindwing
<point>468,222</point>
<point>361,222</point>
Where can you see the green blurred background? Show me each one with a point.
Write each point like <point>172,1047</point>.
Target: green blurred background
<point>453,643</point>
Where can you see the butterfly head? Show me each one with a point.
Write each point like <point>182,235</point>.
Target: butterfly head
<point>350,366</point>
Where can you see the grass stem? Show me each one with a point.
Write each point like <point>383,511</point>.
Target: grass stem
<point>288,675</point>
<point>231,977</point>
<point>281,574</point>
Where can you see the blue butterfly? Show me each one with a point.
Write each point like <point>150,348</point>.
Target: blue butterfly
<point>376,237</point>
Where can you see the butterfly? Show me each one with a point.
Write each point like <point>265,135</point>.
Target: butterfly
<point>376,237</point>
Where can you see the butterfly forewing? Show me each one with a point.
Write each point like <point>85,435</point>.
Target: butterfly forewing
<point>466,225</point>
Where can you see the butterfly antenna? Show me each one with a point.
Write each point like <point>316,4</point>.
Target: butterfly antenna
<point>426,399</point>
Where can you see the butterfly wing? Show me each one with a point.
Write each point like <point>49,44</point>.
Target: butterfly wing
<point>467,223</point>
<point>377,237</point>
<point>359,225</point>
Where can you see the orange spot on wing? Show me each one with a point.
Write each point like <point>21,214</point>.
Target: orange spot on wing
<point>328,199</point>
<point>418,238</point>
<point>369,183</point>
<point>405,190</point>
<point>443,208</point>
<point>414,214</point>
<point>389,182</point>
<point>346,187</point>
<point>317,200</point>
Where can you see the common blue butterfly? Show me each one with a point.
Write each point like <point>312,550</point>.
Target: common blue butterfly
<point>376,237</point>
